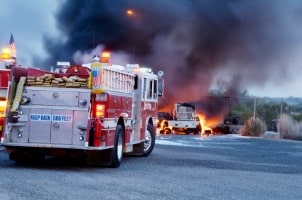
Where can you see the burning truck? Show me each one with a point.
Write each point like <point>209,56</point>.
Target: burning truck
<point>199,117</point>
<point>183,120</point>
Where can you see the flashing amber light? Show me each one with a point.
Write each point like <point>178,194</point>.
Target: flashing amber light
<point>105,57</point>
<point>105,54</point>
<point>5,54</point>
<point>100,110</point>
<point>2,106</point>
<point>136,69</point>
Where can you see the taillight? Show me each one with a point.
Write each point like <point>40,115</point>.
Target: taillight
<point>100,110</point>
<point>100,103</point>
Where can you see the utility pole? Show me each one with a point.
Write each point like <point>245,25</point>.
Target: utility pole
<point>93,39</point>
<point>281,107</point>
<point>254,108</point>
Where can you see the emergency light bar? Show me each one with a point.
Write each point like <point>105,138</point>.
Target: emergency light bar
<point>136,68</point>
<point>105,57</point>
<point>60,63</point>
<point>146,69</point>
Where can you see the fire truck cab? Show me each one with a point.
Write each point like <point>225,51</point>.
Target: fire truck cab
<point>100,113</point>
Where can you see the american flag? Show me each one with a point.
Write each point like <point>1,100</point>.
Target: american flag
<point>12,46</point>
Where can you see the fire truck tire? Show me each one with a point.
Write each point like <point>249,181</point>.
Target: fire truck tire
<point>164,129</point>
<point>167,131</point>
<point>117,153</point>
<point>188,131</point>
<point>149,140</point>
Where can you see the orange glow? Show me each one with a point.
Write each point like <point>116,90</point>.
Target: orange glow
<point>208,123</point>
<point>204,125</point>
<point>129,12</point>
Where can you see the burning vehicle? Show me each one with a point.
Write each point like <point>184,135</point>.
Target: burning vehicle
<point>163,117</point>
<point>183,120</point>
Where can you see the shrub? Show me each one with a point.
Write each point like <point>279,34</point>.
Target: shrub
<point>289,128</point>
<point>253,127</point>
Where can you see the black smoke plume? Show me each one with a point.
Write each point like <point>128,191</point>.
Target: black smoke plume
<point>197,43</point>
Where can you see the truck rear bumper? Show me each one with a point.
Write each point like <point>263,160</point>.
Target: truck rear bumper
<point>52,146</point>
<point>183,124</point>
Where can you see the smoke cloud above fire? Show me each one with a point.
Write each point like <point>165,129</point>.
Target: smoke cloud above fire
<point>199,44</point>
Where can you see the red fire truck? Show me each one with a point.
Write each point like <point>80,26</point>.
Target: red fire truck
<point>4,74</point>
<point>100,113</point>
<point>7,60</point>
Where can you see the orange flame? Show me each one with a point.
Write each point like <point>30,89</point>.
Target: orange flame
<point>205,128</point>
<point>208,123</point>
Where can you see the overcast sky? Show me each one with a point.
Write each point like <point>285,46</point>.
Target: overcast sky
<point>31,20</point>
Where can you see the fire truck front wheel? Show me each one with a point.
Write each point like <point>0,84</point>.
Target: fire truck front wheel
<point>117,153</point>
<point>149,140</point>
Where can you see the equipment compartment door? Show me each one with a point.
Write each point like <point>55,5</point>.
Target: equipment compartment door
<point>80,121</point>
<point>61,127</point>
<point>51,97</point>
<point>40,120</point>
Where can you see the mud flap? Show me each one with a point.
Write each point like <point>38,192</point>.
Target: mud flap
<point>102,157</point>
<point>29,156</point>
<point>138,150</point>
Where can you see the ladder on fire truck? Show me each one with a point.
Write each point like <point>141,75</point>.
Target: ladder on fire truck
<point>115,79</point>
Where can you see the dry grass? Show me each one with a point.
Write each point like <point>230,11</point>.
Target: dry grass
<point>253,127</point>
<point>289,128</point>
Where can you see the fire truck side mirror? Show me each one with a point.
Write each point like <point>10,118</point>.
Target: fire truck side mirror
<point>160,87</point>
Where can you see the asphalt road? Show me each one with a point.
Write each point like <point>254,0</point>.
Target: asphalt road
<point>180,167</point>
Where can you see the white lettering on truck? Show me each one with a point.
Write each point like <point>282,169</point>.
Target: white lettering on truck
<point>54,118</point>
<point>61,118</point>
<point>40,117</point>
